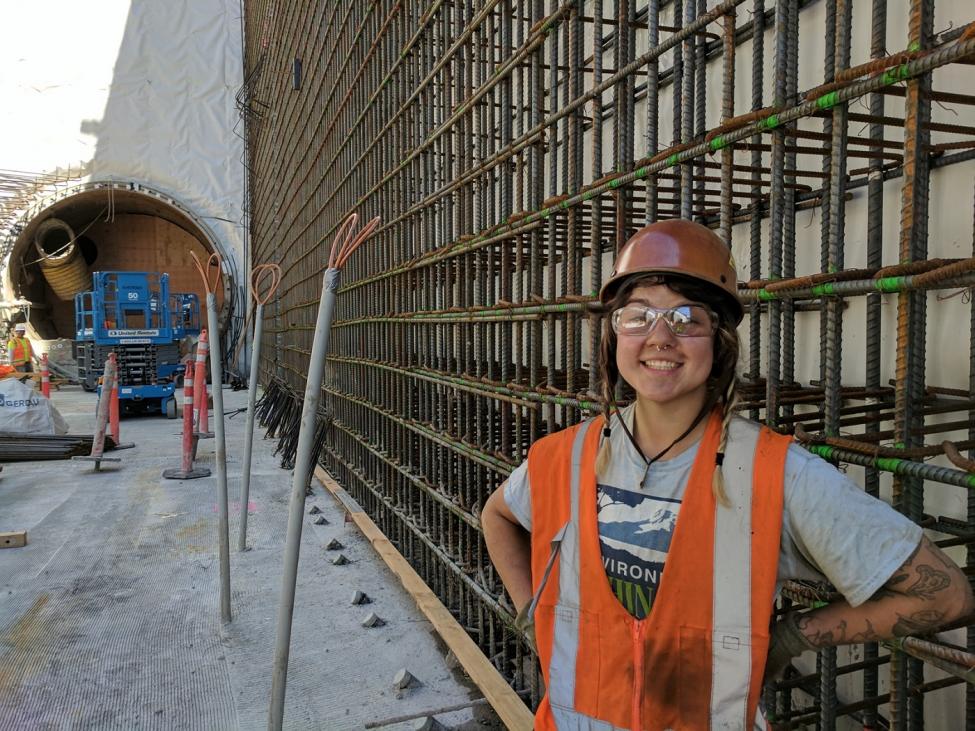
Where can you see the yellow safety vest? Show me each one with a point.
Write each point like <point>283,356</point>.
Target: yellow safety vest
<point>22,350</point>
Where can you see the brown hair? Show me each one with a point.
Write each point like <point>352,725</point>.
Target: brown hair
<point>722,383</point>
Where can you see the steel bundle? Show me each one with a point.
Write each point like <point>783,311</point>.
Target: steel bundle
<point>510,147</point>
<point>30,447</point>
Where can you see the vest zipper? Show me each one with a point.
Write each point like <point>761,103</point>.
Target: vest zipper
<point>636,722</point>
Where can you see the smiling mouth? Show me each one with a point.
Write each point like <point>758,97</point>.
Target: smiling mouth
<point>660,365</point>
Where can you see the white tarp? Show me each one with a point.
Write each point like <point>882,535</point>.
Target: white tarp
<point>24,411</point>
<point>137,90</point>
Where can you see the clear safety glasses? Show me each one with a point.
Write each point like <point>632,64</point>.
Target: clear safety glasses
<point>684,321</point>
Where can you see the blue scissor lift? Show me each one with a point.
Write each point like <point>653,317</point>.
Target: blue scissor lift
<point>134,315</point>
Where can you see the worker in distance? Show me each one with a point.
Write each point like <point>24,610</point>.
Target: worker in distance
<point>20,352</point>
<point>644,547</point>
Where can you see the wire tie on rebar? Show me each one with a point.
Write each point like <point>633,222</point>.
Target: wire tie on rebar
<point>889,284</point>
<point>672,160</point>
<point>828,100</point>
<point>898,73</point>
<point>717,143</point>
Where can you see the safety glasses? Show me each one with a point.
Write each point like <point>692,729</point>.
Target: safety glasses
<point>684,321</point>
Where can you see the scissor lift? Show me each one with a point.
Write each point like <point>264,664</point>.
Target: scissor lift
<point>134,315</point>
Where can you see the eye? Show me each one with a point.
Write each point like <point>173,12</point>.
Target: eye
<point>632,317</point>
<point>682,315</point>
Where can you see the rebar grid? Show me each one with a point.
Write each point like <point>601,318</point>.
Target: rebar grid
<point>510,147</point>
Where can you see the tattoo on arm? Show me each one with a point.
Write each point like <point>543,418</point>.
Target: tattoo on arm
<point>869,634</point>
<point>837,635</point>
<point>924,575</point>
<point>816,637</point>
<point>921,596</point>
<point>918,623</point>
<point>930,581</point>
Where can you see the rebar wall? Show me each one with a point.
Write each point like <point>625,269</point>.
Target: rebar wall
<point>511,147</point>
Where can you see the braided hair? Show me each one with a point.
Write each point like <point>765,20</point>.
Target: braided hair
<point>722,383</point>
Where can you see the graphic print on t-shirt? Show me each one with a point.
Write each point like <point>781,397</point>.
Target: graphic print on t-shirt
<point>635,530</point>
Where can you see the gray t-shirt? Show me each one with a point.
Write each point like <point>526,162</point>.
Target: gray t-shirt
<point>831,529</point>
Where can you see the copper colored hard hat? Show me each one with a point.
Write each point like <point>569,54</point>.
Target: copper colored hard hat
<point>677,246</point>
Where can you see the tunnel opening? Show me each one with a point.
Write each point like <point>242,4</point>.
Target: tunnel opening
<point>58,251</point>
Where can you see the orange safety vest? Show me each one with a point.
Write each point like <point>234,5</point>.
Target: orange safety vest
<point>22,350</point>
<point>696,661</point>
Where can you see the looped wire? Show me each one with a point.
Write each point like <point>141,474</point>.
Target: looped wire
<point>345,243</point>
<point>266,276</point>
<point>214,260</point>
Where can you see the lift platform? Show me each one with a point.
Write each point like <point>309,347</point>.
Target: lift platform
<point>135,316</point>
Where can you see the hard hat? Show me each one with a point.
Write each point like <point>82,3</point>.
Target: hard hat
<point>678,246</point>
<point>20,327</point>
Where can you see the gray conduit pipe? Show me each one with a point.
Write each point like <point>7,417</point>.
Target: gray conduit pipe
<point>304,458</point>
<point>261,273</point>
<point>216,378</point>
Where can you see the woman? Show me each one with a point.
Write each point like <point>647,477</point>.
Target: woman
<point>583,532</point>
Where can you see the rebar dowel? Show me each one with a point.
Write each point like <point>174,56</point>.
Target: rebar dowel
<point>304,462</point>
<point>302,476</point>
<point>210,273</point>
<point>260,298</point>
<point>249,429</point>
<point>220,449</point>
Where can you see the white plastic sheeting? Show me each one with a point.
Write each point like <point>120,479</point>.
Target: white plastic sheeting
<point>24,411</point>
<point>139,90</point>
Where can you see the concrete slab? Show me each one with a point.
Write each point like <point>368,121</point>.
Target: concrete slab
<point>109,617</point>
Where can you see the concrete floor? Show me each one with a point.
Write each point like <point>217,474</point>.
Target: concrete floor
<point>109,617</point>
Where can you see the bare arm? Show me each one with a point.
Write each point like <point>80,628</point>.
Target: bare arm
<point>509,546</point>
<point>926,592</point>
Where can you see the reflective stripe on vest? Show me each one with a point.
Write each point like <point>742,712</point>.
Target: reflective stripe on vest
<point>696,661</point>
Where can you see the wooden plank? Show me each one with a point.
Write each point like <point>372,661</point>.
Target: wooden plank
<point>511,709</point>
<point>13,539</point>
